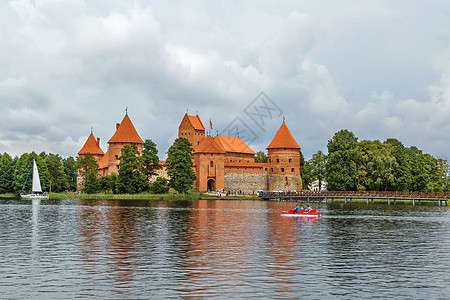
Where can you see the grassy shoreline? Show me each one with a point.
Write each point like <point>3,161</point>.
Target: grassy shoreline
<point>172,195</point>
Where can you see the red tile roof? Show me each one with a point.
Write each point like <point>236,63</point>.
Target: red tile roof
<point>196,122</point>
<point>91,146</point>
<point>103,163</point>
<point>126,133</point>
<point>283,139</point>
<point>209,145</point>
<point>233,144</point>
<point>244,164</point>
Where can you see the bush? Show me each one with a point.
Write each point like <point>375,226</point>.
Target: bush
<point>160,186</point>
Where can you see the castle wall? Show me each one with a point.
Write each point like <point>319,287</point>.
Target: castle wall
<point>209,166</point>
<point>284,182</point>
<point>249,183</point>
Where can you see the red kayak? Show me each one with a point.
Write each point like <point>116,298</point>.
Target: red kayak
<point>301,213</point>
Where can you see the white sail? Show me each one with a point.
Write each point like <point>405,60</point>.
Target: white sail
<point>36,182</point>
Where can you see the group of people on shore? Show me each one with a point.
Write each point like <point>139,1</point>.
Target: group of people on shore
<point>301,208</point>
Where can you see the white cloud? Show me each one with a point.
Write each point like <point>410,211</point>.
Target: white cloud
<point>72,64</point>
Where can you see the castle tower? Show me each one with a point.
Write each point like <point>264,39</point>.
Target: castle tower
<point>192,129</point>
<point>209,159</point>
<point>284,162</point>
<point>91,146</point>
<point>125,134</point>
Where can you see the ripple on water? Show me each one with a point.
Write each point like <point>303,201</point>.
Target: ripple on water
<point>221,249</point>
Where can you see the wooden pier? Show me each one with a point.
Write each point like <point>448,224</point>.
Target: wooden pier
<point>367,196</point>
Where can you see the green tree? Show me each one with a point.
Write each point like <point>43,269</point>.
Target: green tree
<point>260,157</point>
<point>70,169</point>
<point>131,180</point>
<point>108,183</point>
<point>86,164</point>
<point>317,162</point>
<point>444,167</point>
<point>341,166</point>
<point>55,169</point>
<point>160,186</point>
<point>150,159</point>
<point>88,168</point>
<point>179,165</point>
<point>22,170</point>
<point>306,172</point>
<point>376,165</point>
<point>91,183</point>
<point>6,174</point>
<point>403,170</point>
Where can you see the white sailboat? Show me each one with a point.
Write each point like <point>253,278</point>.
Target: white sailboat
<point>36,191</point>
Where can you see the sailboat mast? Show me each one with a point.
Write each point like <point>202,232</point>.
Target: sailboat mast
<point>27,178</point>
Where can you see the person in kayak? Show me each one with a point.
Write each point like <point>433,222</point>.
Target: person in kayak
<point>308,209</point>
<point>297,209</point>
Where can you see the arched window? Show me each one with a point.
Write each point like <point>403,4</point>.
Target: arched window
<point>290,160</point>
<point>211,163</point>
<point>292,170</point>
<point>278,160</point>
<point>282,170</point>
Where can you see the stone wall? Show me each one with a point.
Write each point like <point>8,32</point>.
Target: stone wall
<point>80,183</point>
<point>249,183</point>
<point>284,182</point>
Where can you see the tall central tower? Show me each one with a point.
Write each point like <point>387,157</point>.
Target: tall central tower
<point>192,129</point>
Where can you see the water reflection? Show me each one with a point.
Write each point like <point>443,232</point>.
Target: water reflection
<point>225,249</point>
<point>110,237</point>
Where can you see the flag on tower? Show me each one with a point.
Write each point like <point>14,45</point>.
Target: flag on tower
<point>210,124</point>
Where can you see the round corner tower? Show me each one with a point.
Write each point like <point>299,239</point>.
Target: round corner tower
<point>283,157</point>
<point>125,134</point>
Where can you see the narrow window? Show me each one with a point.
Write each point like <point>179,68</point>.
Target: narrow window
<point>278,160</point>
<point>290,159</point>
<point>282,170</point>
<point>211,164</point>
<point>292,170</point>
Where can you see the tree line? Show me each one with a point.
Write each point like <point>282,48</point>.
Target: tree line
<point>350,165</point>
<point>57,174</point>
<point>353,165</point>
<point>136,167</point>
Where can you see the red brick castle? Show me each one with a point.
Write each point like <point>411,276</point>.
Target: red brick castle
<point>220,162</point>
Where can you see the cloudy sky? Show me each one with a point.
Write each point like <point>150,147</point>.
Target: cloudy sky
<point>378,68</point>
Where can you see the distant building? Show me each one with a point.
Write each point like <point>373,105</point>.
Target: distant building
<point>314,186</point>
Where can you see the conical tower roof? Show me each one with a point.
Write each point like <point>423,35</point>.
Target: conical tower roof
<point>126,133</point>
<point>209,145</point>
<point>91,146</point>
<point>283,139</point>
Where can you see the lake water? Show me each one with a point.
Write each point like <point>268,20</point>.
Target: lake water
<point>221,249</point>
